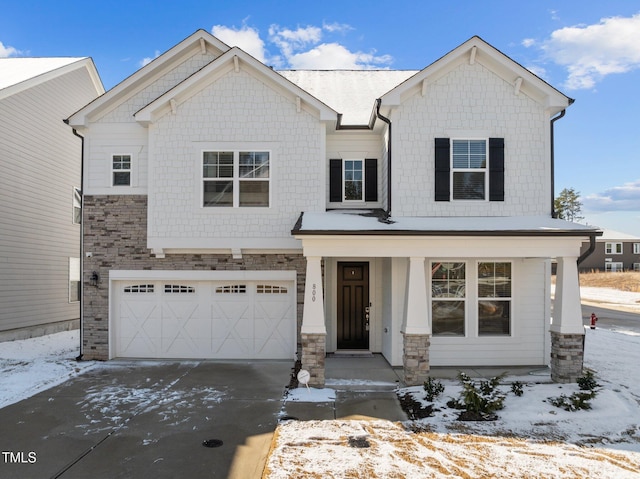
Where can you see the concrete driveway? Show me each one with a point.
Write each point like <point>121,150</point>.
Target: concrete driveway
<point>144,419</point>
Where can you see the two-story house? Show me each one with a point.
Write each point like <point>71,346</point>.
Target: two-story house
<point>614,252</point>
<point>40,197</point>
<point>233,211</point>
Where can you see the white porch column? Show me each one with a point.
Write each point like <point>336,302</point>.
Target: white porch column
<point>567,312</point>
<point>417,315</point>
<point>313,311</point>
<point>567,331</point>
<point>417,328</point>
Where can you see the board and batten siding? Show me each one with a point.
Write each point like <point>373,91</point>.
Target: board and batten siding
<point>41,166</point>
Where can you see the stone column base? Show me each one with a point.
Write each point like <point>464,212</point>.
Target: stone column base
<point>567,356</point>
<point>313,355</point>
<point>415,359</point>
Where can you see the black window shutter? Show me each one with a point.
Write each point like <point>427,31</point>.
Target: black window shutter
<point>496,169</point>
<point>335,181</point>
<point>442,170</point>
<point>371,180</point>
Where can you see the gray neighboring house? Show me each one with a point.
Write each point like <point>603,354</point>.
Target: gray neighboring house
<point>40,193</point>
<point>614,252</point>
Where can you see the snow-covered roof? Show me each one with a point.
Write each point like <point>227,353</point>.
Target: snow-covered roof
<point>18,70</point>
<point>350,92</point>
<point>608,235</point>
<point>350,222</point>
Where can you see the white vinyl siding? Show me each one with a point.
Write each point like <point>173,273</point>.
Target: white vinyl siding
<point>38,235</point>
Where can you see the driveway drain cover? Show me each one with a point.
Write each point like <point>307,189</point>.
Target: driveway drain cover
<point>359,442</point>
<point>212,443</point>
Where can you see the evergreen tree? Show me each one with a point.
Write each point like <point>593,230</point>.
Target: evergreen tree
<point>568,206</point>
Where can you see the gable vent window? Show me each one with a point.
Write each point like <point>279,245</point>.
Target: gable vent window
<point>469,169</point>
<point>139,288</point>
<point>176,288</point>
<point>269,289</point>
<point>232,289</point>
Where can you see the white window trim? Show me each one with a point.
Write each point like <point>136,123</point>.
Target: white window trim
<point>74,276</point>
<point>344,193</point>
<point>485,170</point>
<point>610,247</point>
<point>76,202</point>
<point>131,170</point>
<point>636,248</point>
<point>471,318</point>
<point>613,266</point>
<point>236,177</point>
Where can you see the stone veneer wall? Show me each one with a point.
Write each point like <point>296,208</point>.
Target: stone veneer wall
<point>415,359</point>
<point>313,357</point>
<point>567,357</point>
<point>115,233</point>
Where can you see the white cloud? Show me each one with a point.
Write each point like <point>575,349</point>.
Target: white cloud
<point>336,27</point>
<point>528,42</point>
<point>246,38</point>
<point>290,41</point>
<point>333,56</point>
<point>618,198</point>
<point>147,60</point>
<point>7,51</point>
<point>591,52</point>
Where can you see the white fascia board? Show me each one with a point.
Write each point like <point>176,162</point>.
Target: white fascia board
<point>202,244</point>
<point>491,58</point>
<point>189,275</point>
<point>146,75</point>
<point>440,247</point>
<point>79,63</point>
<point>225,63</point>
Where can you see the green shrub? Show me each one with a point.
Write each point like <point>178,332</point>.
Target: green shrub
<point>516,388</point>
<point>580,400</point>
<point>433,388</point>
<point>481,400</point>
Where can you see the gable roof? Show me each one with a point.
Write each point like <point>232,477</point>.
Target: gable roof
<point>352,93</point>
<point>19,74</point>
<point>233,59</point>
<point>477,50</point>
<point>200,40</point>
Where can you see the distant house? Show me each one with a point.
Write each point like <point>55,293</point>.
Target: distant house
<point>40,192</point>
<point>614,251</point>
<point>233,211</point>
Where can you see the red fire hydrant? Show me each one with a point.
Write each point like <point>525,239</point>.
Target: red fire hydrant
<point>594,319</point>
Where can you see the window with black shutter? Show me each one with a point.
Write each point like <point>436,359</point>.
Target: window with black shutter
<point>353,180</point>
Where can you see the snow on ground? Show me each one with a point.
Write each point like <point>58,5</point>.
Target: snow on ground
<point>531,437</point>
<point>32,365</point>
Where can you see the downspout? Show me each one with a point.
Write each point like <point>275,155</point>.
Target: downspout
<point>591,249</point>
<point>388,122</point>
<point>553,174</point>
<point>75,132</point>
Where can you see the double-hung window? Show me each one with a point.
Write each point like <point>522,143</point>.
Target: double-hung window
<point>235,178</point>
<point>636,248</point>
<point>121,170</point>
<point>469,169</point>
<point>494,299</point>
<point>448,298</point>
<point>353,182</point>
<point>613,248</point>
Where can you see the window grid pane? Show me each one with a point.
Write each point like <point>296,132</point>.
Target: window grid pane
<point>353,180</point>
<point>448,292</point>
<point>494,298</point>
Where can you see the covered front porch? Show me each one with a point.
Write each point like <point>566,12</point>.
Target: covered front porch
<point>402,283</point>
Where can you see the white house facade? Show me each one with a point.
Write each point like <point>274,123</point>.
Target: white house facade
<point>40,191</point>
<point>233,211</point>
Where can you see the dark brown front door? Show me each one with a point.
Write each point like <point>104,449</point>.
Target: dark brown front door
<point>353,305</point>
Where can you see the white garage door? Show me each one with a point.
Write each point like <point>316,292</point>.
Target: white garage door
<point>204,319</point>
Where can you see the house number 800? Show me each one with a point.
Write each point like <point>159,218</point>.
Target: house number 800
<point>313,292</point>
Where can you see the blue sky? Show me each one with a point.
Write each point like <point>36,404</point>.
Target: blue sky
<point>590,50</point>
